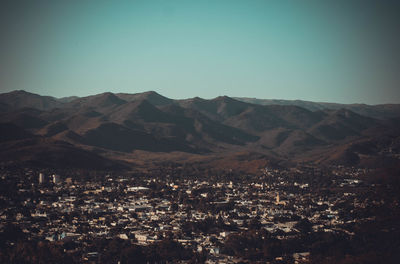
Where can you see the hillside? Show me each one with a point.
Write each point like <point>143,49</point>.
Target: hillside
<point>110,128</point>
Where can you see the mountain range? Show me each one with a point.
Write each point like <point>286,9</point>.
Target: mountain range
<point>122,131</point>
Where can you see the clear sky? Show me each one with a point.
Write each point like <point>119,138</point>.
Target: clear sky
<point>337,51</point>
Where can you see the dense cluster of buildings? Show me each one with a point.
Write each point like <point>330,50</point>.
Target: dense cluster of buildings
<point>199,213</point>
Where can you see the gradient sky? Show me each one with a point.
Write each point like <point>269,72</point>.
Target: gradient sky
<point>335,51</point>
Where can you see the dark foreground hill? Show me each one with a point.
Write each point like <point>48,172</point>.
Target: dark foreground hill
<point>112,130</point>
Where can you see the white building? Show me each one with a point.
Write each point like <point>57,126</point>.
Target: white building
<point>141,238</point>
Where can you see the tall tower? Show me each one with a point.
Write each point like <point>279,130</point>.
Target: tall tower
<point>41,178</point>
<point>56,179</point>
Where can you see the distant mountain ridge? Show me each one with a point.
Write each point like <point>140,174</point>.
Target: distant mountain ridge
<point>380,111</point>
<point>115,127</point>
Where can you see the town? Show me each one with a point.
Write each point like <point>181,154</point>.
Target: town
<point>189,215</point>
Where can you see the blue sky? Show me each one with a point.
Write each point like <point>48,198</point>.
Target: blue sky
<point>335,51</point>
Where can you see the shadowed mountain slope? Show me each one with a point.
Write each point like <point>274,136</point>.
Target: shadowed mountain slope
<point>40,152</point>
<point>10,132</point>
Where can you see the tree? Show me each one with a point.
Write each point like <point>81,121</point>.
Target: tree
<point>304,226</point>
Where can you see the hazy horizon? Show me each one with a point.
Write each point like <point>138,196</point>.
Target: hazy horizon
<point>340,52</point>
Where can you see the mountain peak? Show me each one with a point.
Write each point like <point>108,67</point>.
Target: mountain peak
<point>20,99</point>
<point>224,98</point>
<point>152,97</point>
<point>104,100</point>
<point>152,93</point>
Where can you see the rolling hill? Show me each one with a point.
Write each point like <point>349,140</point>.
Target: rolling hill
<point>112,128</point>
